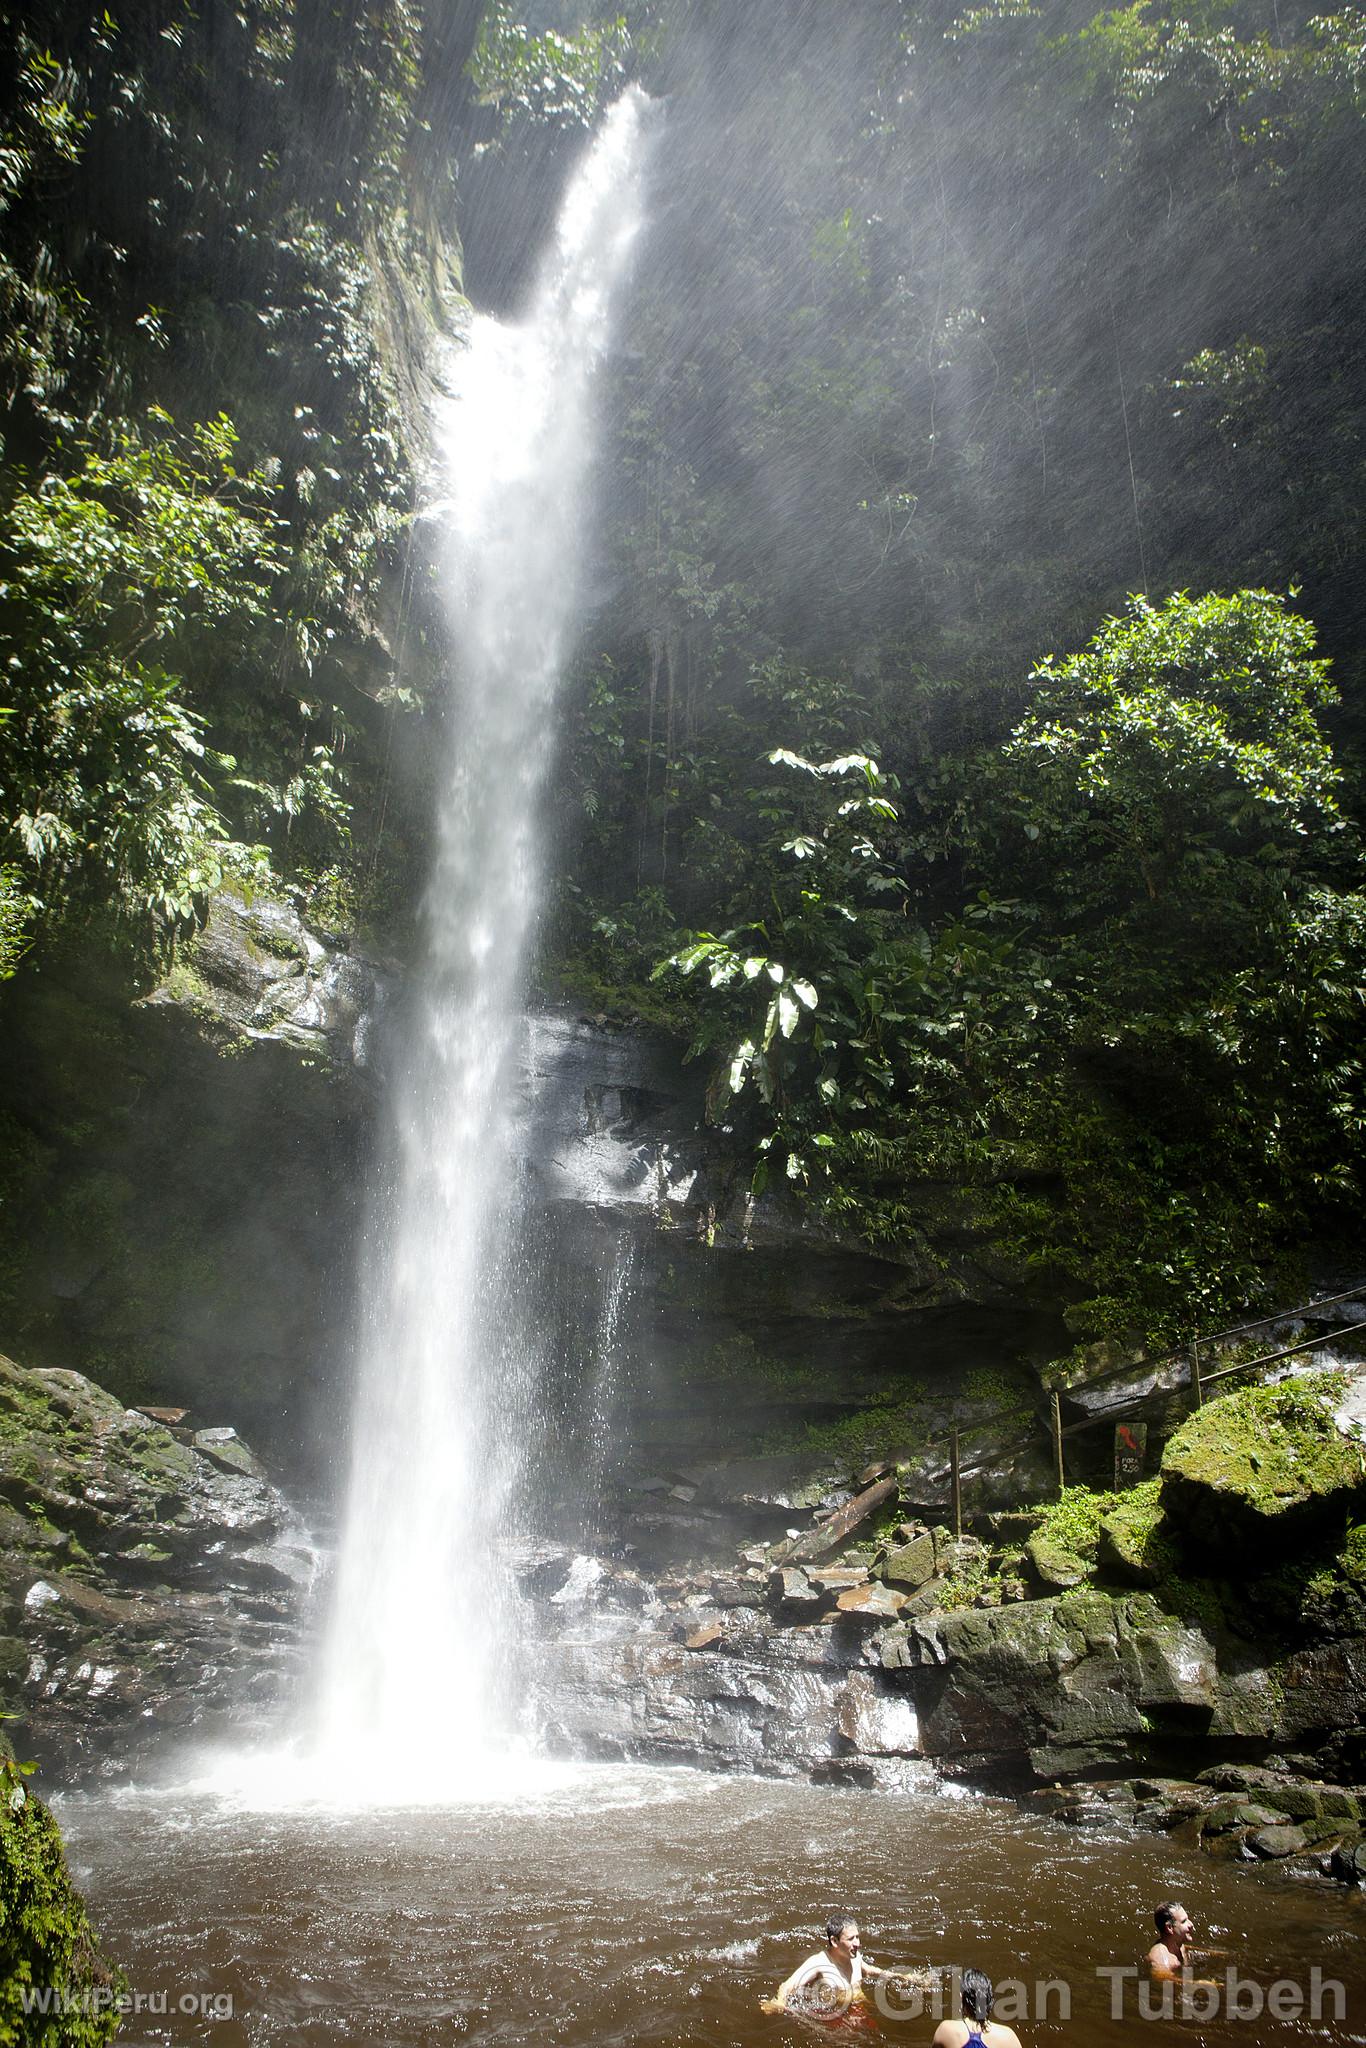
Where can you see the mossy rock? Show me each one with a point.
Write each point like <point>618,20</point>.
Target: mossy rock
<point>912,1564</point>
<point>46,1942</point>
<point>1135,1542</point>
<point>1267,1469</point>
<point>1054,1564</point>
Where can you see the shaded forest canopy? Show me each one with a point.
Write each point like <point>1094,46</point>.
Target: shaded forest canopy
<point>951,757</point>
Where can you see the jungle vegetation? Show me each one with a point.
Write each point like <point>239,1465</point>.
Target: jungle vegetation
<point>965,745</point>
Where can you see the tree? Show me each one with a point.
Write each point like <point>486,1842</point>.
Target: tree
<point>1136,1032</point>
<point>112,579</point>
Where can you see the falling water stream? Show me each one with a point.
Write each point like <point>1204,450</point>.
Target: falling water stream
<point>414,1658</point>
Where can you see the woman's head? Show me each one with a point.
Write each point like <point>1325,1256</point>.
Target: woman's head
<point>977,1995</point>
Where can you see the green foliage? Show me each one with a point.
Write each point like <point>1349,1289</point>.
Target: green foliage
<point>1073,1520</point>
<point>1179,756</point>
<point>46,1943</point>
<point>16,909</point>
<point>112,580</point>
<point>237,215</point>
<point>547,77</point>
<point>1156,910</point>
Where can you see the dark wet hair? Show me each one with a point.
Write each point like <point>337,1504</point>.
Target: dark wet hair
<point>977,1995</point>
<point>1165,1915</point>
<point>836,1924</point>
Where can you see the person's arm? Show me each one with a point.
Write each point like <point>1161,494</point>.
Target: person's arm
<point>800,1977</point>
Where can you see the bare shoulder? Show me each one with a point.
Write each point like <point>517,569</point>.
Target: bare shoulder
<point>1161,1962</point>
<point>949,2034</point>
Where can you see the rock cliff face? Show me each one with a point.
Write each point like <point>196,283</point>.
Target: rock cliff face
<point>743,1344</point>
<point>182,1173</point>
<point>151,1578</point>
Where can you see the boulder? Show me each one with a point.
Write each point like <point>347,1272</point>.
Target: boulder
<point>871,1603</point>
<point>1278,1841</point>
<point>1061,1687</point>
<point>1263,1472</point>
<point>1232,1813</point>
<point>1135,1544</point>
<point>790,1586</point>
<point>1055,1566</point>
<point>835,1531</point>
<point>1348,1864</point>
<point>145,1581</point>
<point>912,1563</point>
<point>227,1449</point>
<point>837,1578</point>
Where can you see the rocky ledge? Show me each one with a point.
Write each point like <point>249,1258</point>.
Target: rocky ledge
<point>1277,1812</point>
<point>150,1574</point>
<point>1098,1643</point>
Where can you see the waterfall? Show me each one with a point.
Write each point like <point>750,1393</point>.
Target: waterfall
<point>414,1663</point>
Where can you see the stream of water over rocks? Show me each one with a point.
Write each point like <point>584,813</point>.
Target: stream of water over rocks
<point>615,1904</point>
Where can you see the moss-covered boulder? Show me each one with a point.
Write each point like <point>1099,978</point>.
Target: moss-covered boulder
<point>1056,1688</point>
<point>1057,1567</point>
<point>1269,1469</point>
<point>913,1563</point>
<point>56,1989</point>
<point>1135,1542</point>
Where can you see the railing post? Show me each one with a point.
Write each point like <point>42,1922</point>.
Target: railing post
<point>1057,1441</point>
<point>1197,1383</point>
<point>957,1490</point>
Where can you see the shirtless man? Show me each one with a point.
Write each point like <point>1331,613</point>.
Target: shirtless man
<point>1169,1958</point>
<point>834,1977</point>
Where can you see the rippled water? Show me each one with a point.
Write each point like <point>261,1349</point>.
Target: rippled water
<point>614,1905</point>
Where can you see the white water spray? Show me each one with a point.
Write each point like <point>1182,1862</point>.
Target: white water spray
<point>412,1677</point>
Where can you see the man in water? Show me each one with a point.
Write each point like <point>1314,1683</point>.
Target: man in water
<point>1169,1958</point>
<point>833,1979</point>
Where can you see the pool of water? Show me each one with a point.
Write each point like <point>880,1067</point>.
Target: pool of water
<point>617,1904</point>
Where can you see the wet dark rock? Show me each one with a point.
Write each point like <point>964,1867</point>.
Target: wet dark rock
<point>836,1529</point>
<point>1234,1813</point>
<point>1231,1777</point>
<point>1348,1865</point>
<point>1274,1842</point>
<point>256,971</point>
<point>144,1580</point>
<point>794,1590</point>
<point>227,1449</point>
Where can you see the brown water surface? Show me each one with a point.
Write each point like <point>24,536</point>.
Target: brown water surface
<point>619,1904</point>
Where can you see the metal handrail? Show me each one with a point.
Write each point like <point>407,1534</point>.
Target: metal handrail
<point>1194,1378</point>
